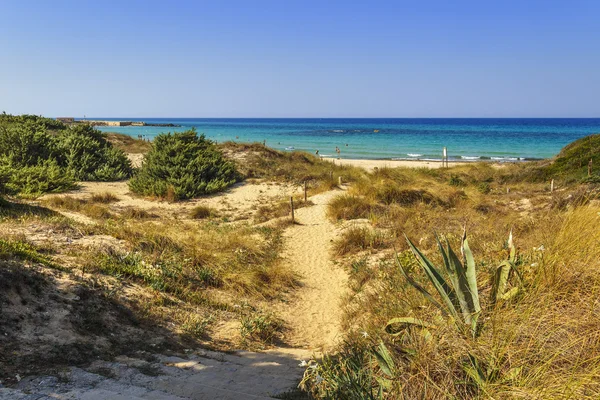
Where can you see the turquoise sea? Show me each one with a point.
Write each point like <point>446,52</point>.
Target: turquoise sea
<point>400,138</point>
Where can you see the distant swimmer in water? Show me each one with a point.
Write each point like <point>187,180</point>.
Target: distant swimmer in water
<point>317,152</point>
<point>237,137</point>
<point>346,144</point>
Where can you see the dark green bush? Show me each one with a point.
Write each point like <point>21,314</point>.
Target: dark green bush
<point>90,157</point>
<point>34,180</point>
<point>39,155</point>
<point>182,166</point>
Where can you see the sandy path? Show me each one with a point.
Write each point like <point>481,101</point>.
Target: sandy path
<point>313,316</point>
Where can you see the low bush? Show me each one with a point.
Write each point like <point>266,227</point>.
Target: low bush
<point>38,156</point>
<point>182,166</point>
<point>90,157</point>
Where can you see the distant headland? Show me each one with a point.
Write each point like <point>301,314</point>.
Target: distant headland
<point>71,120</point>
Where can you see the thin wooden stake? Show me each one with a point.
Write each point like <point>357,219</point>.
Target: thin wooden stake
<point>590,168</point>
<point>292,207</point>
<point>552,186</point>
<point>305,191</point>
<point>340,180</point>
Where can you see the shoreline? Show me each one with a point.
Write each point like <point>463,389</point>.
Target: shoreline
<point>370,165</point>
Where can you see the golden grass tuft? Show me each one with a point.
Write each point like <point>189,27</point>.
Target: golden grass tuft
<point>359,238</point>
<point>104,198</point>
<point>202,212</point>
<point>349,207</point>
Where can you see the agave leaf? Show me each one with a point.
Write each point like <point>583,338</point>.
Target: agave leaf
<point>471,280</point>
<point>421,289</point>
<point>511,293</point>
<point>445,291</point>
<point>500,281</point>
<point>384,359</point>
<point>451,268</point>
<point>513,373</point>
<point>463,290</point>
<point>511,247</point>
<point>474,371</point>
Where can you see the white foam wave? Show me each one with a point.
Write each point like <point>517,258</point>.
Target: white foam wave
<point>414,155</point>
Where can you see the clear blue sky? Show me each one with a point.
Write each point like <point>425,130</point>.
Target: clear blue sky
<point>301,58</point>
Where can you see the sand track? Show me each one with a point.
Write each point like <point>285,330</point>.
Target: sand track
<point>314,314</point>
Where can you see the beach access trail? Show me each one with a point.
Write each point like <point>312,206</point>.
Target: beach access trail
<point>312,317</point>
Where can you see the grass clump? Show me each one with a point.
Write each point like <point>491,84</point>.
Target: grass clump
<point>182,166</point>
<point>358,238</point>
<point>349,207</point>
<point>83,206</point>
<point>202,212</point>
<point>262,327</point>
<point>24,251</point>
<point>104,198</point>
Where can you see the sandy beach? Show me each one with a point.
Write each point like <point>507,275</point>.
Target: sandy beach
<point>369,165</point>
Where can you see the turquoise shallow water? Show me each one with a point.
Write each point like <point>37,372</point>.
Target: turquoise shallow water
<point>466,139</point>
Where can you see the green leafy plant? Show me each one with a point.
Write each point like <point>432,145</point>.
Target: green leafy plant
<point>502,275</point>
<point>459,295</point>
<point>39,156</point>
<point>182,166</point>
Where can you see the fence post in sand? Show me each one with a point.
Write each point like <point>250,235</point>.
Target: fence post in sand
<point>507,190</point>
<point>305,191</point>
<point>340,180</point>
<point>552,186</point>
<point>292,207</point>
<point>331,174</point>
<point>590,168</point>
<point>445,157</point>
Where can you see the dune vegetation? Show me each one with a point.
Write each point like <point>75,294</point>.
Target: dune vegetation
<point>507,311</point>
<point>40,155</point>
<point>476,281</point>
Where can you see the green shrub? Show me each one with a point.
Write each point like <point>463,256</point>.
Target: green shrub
<point>182,166</point>
<point>45,177</point>
<point>34,160</point>
<point>90,157</point>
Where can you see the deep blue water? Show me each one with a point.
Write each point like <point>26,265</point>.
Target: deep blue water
<point>401,138</point>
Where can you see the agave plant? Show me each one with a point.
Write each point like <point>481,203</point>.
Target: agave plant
<point>502,275</point>
<point>460,296</point>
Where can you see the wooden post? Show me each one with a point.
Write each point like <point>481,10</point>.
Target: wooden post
<point>552,186</point>
<point>507,190</point>
<point>331,174</point>
<point>292,207</point>
<point>340,180</point>
<point>305,191</point>
<point>444,157</point>
<point>590,168</point>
